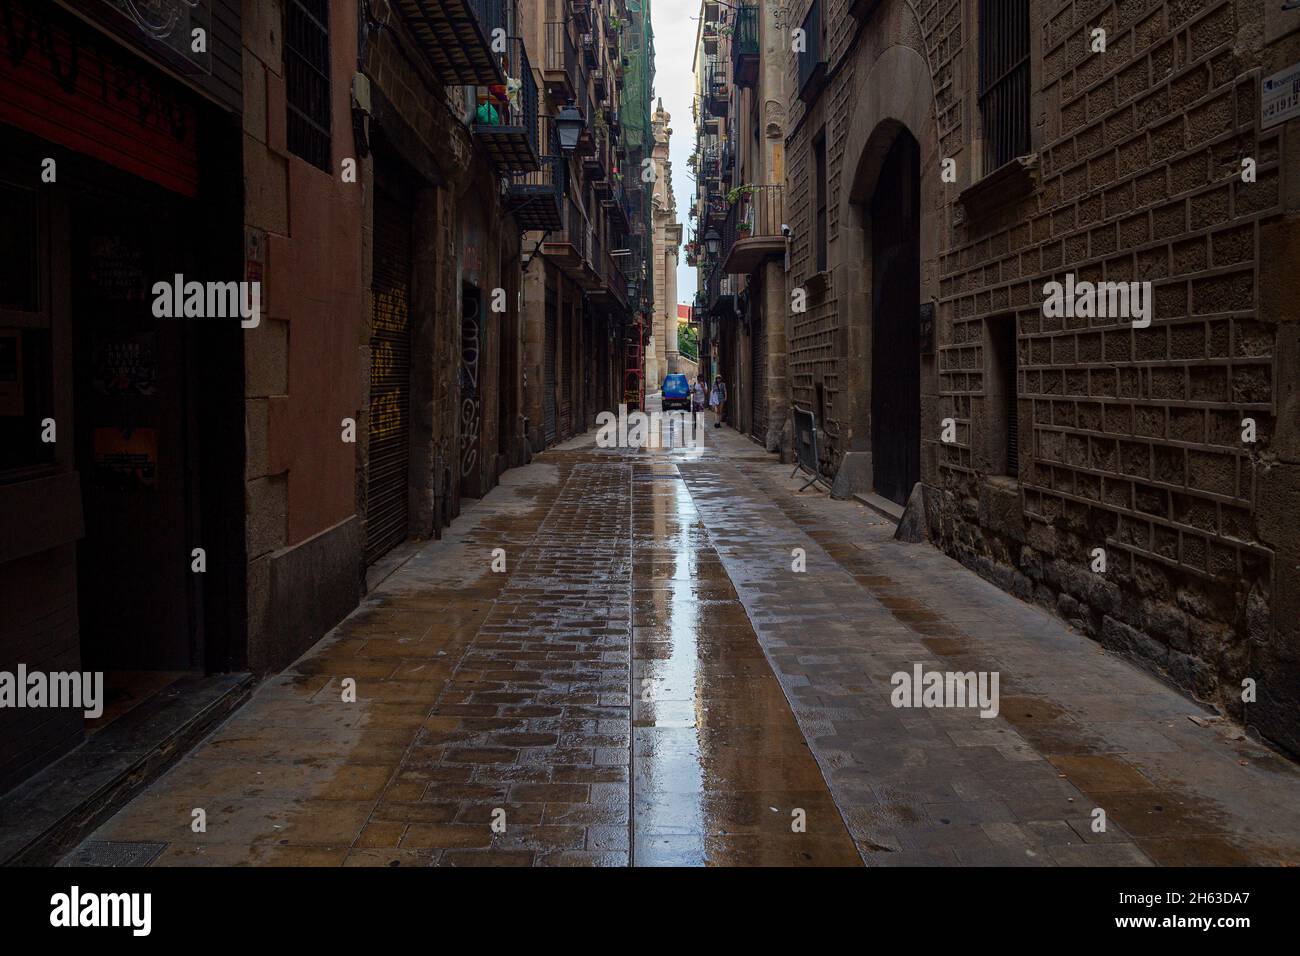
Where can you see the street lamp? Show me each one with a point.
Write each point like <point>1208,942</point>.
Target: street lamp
<point>569,125</point>
<point>711,241</point>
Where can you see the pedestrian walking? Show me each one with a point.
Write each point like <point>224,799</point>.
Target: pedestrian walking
<point>718,400</point>
<point>699,394</point>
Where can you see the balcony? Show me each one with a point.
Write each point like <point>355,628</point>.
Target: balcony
<point>590,53</point>
<point>714,210</point>
<point>506,124</point>
<point>570,247</point>
<point>636,205</point>
<point>744,45</point>
<point>582,12</point>
<point>455,36</point>
<point>613,287</point>
<point>598,83</point>
<point>560,73</point>
<point>587,138</point>
<point>711,11</point>
<point>720,291</point>
<point>752,231</point>
<point>710,165</point>
<point>710,38</point>
<point>616,206</point>
<point>717,90</point>
<point>812,60</point>
<point>535,198</point>
<point>594,163</point>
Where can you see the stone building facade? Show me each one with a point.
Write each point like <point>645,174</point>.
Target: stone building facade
<point>928,219</point>
<point>667,246</point>
<point>741,210</point>
<point>386,174</point>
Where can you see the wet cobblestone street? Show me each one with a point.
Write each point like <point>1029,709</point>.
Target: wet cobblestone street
<point>648,682</point>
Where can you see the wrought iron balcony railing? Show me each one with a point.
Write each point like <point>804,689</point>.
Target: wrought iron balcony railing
<point>752,230</point>
<point>455,36</point>
<point>744,45</point>
<point>506,122</point>
<point>535,197</point>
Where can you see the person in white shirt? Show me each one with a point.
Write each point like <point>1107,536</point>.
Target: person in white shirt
<point>718,400</point>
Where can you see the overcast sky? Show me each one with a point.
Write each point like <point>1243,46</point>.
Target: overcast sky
<point>674,24</point>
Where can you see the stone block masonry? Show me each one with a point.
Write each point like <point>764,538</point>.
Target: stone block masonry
<point>1130,439</point>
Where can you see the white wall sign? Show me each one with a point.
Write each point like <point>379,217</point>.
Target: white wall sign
<point>1279,98</point>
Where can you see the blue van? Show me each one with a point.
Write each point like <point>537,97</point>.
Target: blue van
<point>676,393</point>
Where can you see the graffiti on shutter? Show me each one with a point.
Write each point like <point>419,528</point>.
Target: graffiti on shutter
<point>390,381</point>
<point>548,382</point>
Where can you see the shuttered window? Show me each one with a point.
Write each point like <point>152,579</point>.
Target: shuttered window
<point>1004,80</point>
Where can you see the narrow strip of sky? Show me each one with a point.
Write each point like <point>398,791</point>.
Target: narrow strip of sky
<point>675,23</point>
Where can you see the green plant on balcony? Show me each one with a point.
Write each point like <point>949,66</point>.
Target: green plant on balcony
<point>736,193</point>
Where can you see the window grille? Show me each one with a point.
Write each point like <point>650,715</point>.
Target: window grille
<point>307,80</point>
<point>1004,80</point>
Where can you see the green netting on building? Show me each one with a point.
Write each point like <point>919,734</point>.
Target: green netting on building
<point>639,77</point>
<point>635,99</point>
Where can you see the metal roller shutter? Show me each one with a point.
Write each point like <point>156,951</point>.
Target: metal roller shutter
<point>566,372</point>
<point>758,376</point>
<point>390,380</point>
<point>548,384</point>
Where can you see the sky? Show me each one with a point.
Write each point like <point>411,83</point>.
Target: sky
<point>675,22</point>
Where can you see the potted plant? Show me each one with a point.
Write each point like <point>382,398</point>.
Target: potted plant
<point>736,193</point>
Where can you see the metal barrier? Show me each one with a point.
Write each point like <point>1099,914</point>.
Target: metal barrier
<point>806,457</point>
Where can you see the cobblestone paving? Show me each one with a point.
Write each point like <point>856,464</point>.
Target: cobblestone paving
<point>1079,729</point>
<point>648,681</point>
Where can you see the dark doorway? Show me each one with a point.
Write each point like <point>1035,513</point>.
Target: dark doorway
<point>895,328</point>
<point>136,438</point>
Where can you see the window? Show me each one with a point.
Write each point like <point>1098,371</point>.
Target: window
<point>1000,395</point>
<point>812,57</point>
<point>26,359</point>
<point>819,170</point>
<point>307,80</point>
<point>1004,80</point>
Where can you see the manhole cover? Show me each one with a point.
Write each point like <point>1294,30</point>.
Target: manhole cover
<point>106,853</point>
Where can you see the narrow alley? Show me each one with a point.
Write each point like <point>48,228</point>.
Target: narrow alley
<point>608,660</point>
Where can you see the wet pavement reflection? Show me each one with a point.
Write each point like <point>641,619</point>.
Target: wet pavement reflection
<point>721,772</point>
<point>647,682</point>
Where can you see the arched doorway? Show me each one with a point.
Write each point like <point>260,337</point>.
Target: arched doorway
<point>895,330</point>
